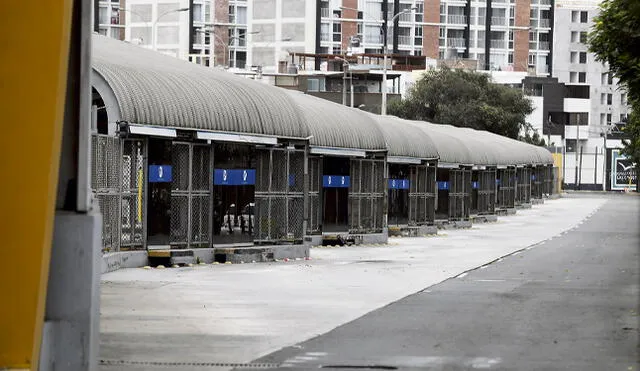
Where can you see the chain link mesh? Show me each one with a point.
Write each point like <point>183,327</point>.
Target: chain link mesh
<point>179,219</point>
<point>366,196</point>
<point>315,179</point>
<point>105,171</point>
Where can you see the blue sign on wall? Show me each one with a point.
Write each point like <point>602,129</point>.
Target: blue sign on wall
<point>399,183</point>
<point>292,180</point>
<point>160,173</point>
<point>443,186</point>
<point>533,177</point>
<point>474,185</point>
<point>234,177</point>
<point>497,181</point>
<point>336,181</point>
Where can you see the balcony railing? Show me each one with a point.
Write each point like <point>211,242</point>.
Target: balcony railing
<point>325,13</point>
<point>543,45</point>
<point>324,36</point>
<point>480,43</point>
<point>456,19</point>
<point>498,21</point>
<point>498,44</point>
<point>404,40</point>
<point>456,42</point>
<point>373,39</point>
<point>533,45</point>
<point>481,20</point>
<point>544,23</point>
<point>406,17</point>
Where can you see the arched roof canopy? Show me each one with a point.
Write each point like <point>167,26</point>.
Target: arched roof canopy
<point>159,90</point>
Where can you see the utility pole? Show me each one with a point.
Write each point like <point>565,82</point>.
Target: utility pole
<point>576,152</point>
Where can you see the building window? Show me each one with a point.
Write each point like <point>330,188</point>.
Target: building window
<point>570,145</point>
<point>573,77</point>
<point>583,57</point>
<point>603,119</point>
<point>609,99</point>
<point>608,119</point>
<point>581,118</point>
<point>583,37</point>
<point>574,57</point>
<point>623,117</point>
<point>510,58</point>
<point>603,98</point>
<point>575,16</point>
<point>575,36</point>
<point>337,32</point>
<point>315,85</point>
<point>623,99</point>
<point>584,17</point>
<point>610,78</point>
<point>582,77</point>
<point>603,78</point>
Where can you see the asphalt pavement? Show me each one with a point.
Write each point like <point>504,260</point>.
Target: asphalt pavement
<point>567,303</point>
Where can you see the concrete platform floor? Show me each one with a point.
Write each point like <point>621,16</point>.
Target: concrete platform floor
<point>222,314</point>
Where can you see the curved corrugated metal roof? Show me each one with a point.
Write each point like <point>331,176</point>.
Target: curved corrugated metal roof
<point>335,125</point>
<point>404,139</point>
<point>160,90</point>
<point>450,147</point>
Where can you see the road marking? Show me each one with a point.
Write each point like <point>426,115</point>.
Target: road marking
<point>317,354</point>
<point>490,280</point>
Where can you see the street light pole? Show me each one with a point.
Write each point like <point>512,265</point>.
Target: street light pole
<point>155,23</point>
<point>383,109</point>
<point>346,64</point>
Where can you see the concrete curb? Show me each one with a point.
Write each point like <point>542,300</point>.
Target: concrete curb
<point>124,259</point>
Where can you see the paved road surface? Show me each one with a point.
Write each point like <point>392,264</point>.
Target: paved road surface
<point>569,303</point>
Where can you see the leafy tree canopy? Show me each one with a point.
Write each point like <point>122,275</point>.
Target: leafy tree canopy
<point>615,39</point>
<point>468,99</point>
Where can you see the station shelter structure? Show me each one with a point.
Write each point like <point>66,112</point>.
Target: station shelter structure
<point>188,157</point>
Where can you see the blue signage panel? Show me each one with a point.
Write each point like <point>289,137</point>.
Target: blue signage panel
<point>497,181</point>
<point>292,180</point>
<point>474,185</point>
<point>234,177</point>
<point>399,183</point>
<point>533,177</point>
<point>336,181</point>
<point>160,173</point>
<point>443,186</point>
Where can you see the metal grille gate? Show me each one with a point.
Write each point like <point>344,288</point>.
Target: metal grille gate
<point>459,194</point>
<point>506,188</point>
<point>422,194</point>
<point>190,195</point>
<point>279,195</point>
<point>315,208</point>
<point>133,204</point>
<point>366,196</point>
<point>105,182</point>
<point>548,180</point>
<point>537,182</point>
<point>486,191</point>
<point>523,188</point>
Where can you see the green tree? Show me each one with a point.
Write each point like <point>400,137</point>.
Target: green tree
<point>468,99</point>
<point>615,39</point>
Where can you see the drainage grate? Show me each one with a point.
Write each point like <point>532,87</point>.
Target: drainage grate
<point>113,362</point>
<point>360,367</point>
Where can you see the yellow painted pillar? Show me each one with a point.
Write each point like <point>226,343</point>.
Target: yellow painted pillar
<point>33,71</point>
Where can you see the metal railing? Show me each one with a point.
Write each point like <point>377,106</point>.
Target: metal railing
<point>543,45</point>
<point>544,23</point>
<point>373,39</point>
<point>456,42</point>
<point>325,13</point>
<point>498,21</point>
<point>404,40</point>
<point>499,44</point>
<point>457,19</point>
<point>324,36</point>
<point>481,20</point>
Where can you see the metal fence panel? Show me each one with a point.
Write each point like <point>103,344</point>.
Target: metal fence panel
<point>459,194</point>
<point>422,194</point>
<point>366,196</point>
<point>315,180</point>
<point>506,188</point>
<point>279,196</point>
<point>133,208</point>
<point>105,182</point>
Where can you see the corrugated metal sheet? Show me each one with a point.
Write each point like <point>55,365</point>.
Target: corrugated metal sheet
<point>335,125</point>
<point>160,90</point>
<point>404,139</point>
<point>450,147</point>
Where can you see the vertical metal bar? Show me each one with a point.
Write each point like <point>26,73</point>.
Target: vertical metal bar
<point>286,195</point>
<point>306,210</point>
<point>270,195</point>
<point>145,191</point>
<point>189,191</point>
<point>211,195</point>
<point>118,210</point>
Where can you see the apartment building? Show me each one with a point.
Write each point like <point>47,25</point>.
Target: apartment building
<point>520,31</point>
<point>595,103</point>
<point>110,19</point>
